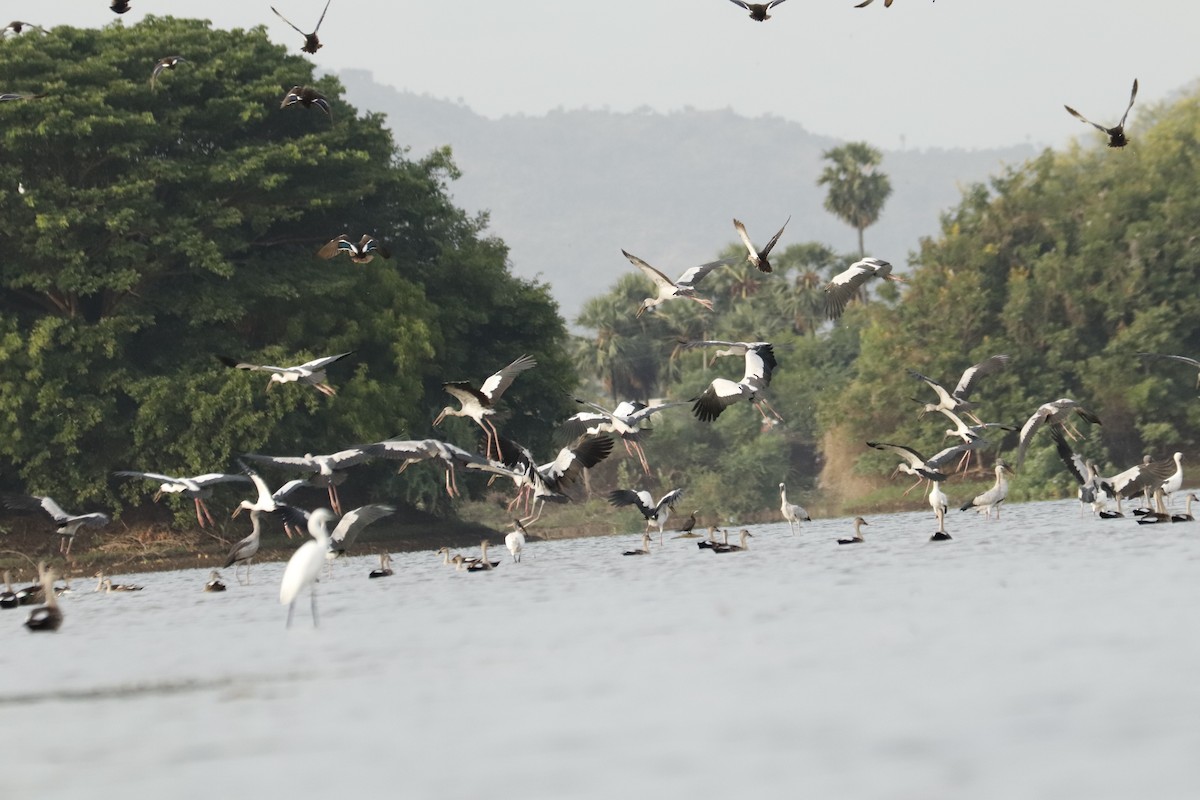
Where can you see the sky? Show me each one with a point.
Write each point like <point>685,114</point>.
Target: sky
<point>952,73</point>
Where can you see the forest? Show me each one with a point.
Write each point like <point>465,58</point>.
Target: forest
<point>149,230</point>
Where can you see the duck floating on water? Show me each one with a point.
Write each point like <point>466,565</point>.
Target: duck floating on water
<point>858,537</point>
<point>48,617</point>
<point>385,567</point>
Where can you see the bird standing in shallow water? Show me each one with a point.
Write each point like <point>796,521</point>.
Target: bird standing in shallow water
<point>791,512</point>
<point>304,567</point>
<point>1116,135</point>
<point>311,43</point>
<point>993,497</point>
<point>758,11</point>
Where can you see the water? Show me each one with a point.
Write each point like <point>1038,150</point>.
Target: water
<point>1044,656</point>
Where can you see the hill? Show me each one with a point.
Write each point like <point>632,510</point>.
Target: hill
<point>566,191</point>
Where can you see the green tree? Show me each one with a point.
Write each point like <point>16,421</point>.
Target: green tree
<point>857,189</point>
<point>147,231</point>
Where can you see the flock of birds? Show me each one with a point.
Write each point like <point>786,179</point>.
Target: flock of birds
<point>592,432</point>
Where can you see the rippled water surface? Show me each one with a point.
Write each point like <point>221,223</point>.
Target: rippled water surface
<point>1046,655</point>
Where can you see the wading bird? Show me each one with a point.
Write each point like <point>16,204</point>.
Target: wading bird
<point>759,257</point>
<point>304,567</point>
<point>758,12</point>
<point>667,289</point>
<point>791,512</point>
<point>1116,135</point>
<point>311,373</point>
<point>67,525</point>
<point>1093,491</point>
<point>940,504</point>
<point>858,537</point>
<point>538,484</point>
<point>170,62</point>
<point>515,540</point>
<point>845,285</point>
<point>307,97</point>
<point>363,252</point>
<point>477,404</point>
<point>199,488</point>
<point>267,502</point>
<point>993,497</point>
<point>654,513</point>
<point>722,393</point>
<point>311,43</point>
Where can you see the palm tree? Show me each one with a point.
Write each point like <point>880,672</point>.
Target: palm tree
<point>857,190</point>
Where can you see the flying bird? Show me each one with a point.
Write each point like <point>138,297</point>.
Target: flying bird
<point>624,421</point>
<point>548,482</point>
<point>198,487</point>
<point>412,451</point>
<point>758,11</point>
<point>926,469</point>
<point>170,62</point>
<point>667,289</point>
<point>361,253</point>
<point>654,513</point>
<point>310,372</point>
<point>1182,359</point>
<point>325,470</point>
<point>7,96</point>
<point>67,525</point>
<point>119,6</point>
<point>845,285</point>
<point>17,27</point>
<point>307,97</point>
<point>1055,412</point>
<point>477,403</point>
<point>1116,135</point>
<point>759,257</point>
<point>722,393</point>
<point>956,400</point>
<point>311,43</point>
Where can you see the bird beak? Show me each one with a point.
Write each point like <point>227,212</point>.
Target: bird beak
<point>157,495</point>
<point>236,511</point>
<point>270,383</point>
<point>439,419</point>
<point>641,310</point>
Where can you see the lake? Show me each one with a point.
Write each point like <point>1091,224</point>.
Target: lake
<point>1047,655</point>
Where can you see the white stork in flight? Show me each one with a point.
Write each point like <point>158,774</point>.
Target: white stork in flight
<point>926,469</point>
<point>956,400</point>
<point>624,421</point>
<point>310,372</point>
<point>548,481</point>
<point>477,403</point>
<point>1056,412</point>
<point>722,393</point>
<point>326,470</point>
<point>667,289</point>
<point>198,487</point>
<point>845,285</point>
<point>66,525</point>
<point>654,513</point>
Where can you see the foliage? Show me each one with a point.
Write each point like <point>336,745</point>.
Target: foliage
<point>857,190</point>
<point>146,231</point>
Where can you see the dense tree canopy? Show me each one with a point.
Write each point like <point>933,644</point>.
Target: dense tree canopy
<point>147,230</point>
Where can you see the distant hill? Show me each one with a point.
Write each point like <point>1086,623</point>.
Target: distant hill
<point>566,191</point>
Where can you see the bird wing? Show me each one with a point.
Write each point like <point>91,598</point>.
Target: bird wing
<point>280,494</point>
<point>914,458</point>
<point>660,280</point>
<point>741,229</point>
<point>466,394</point>
<point>322,19</point>
<point>760,363</point>
<point>739,347</point>
<point>210,478</point>
<point>1132,96</point>
<point>774,239</point>
<point>628,497</point>
<point>966,384</point>
<point>1191,361</point>
<point>294,463</point>
<point>289,22</point>
<point>843,287</point>
<point>324,361</point>
<point>719,395</point>
<point>150,476</point>
<point>1077,115</point>
<point>1073,462</point>
<point>946,455</point>
<point>406,449</point>
<point>93,520</point>
<point>1030,428</point>
<point>369,244</point>
<point>669,500</point>
<point>942,394</point>
<point>497,383</point>
<point>333,247</point>
<point>348,526</point>
<point>235,364</point>
<point>692,276</point>
<point>644,413</point>
<point>772,4</point>
<point>740,3</point>
<point>350,456</point>
<point>570,461</point>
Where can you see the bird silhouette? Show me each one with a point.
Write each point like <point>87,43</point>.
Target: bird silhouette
<point>311,43</point>
<point>307,97</point>
<point>1116,135</point>
<point>758,11</point>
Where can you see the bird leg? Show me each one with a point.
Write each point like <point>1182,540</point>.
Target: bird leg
<point>325,389</point>
<point>702,301</point>
<point>915,485</point>
<point>313,596</point>
<point>762,401</point>
<point>333,499</point>
<point>642,455</point>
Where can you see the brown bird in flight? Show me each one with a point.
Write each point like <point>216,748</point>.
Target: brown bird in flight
<point>311,43</point>
<point>361,253</point>
<point>307,97</point>
<point>1116,136</point>
<point>758,11</point>
<point>759,257</point>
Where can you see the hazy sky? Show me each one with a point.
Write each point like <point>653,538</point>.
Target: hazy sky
<point>953,73</point>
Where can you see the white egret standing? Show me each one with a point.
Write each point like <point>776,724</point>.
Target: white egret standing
<point>304,567</point>
<point>515,540</point>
